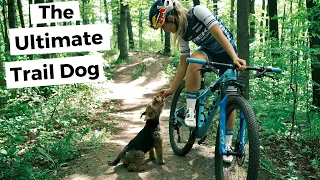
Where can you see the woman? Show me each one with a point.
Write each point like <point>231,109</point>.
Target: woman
<point>216,43</point>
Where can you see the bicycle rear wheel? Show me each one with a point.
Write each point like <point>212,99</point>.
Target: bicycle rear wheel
<point>242,167</point>
<point>181,137</point>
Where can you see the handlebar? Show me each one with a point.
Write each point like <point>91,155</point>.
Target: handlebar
<point>233,66</point>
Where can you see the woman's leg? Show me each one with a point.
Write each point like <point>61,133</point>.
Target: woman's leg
<point>192,86</point>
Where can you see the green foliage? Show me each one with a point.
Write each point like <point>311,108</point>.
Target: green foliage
<point>41,128</point>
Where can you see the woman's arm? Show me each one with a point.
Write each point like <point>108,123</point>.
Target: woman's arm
<point>181,72</point>
<point>217,33</point>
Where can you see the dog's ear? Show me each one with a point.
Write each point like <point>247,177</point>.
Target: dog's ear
<point>144,113</point>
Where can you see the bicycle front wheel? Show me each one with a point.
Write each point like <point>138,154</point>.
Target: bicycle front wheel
<point>181,137</point>
<point>245,143</point>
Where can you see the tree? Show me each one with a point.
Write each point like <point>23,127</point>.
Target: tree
<point>196,2</point>
<point>215,6</point>
<point>129,27</point>
<point>262,19</point>
<point>252,20</point>
<point>273,13</point>
<point>243,41</point>
<point>12,14</point>
<point>232,17</point>
<point>314,18</point>
<point>140,27</point>
<point>167,46</point>
<point>122,31</point>
<point>106,10</point>
<point>21,13</point>
<point>5,27</point>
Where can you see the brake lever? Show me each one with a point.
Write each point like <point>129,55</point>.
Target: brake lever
<point>261,74</point>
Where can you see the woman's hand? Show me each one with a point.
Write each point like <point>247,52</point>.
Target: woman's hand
<point>165,93</point>
<point>240,63</point>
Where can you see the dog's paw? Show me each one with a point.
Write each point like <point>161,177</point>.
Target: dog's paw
<point>161,162</point>
<point>112,163</point>
<point>152,157</point>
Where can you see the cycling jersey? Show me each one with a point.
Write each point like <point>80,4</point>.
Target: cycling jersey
<point>199,20</point>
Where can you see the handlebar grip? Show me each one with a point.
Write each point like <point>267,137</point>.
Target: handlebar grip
<point>276,70</point>
<point>198,61</point>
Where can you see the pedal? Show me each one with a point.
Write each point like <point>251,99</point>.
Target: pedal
<point>202,139</point>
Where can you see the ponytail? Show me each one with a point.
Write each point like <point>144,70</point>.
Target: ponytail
<point>181,21</point>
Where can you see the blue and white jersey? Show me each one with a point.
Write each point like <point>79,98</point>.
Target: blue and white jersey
<point>200,19</point>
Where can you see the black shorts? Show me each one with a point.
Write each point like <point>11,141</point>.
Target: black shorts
<point>217,57</point>
<point>220,58</point>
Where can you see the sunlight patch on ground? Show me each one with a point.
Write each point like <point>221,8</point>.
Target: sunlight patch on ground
<point>149,59</point>
<point>133,130</point>
<point>144,175</point>
<point>119,142</point>
<point>125,91</point>
<point>79,177</point>
<point>135,116</point>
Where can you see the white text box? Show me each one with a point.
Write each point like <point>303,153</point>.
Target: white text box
<point>54,12</point>
<point>54,71</point>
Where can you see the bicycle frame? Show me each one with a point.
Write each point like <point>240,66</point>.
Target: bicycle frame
<point>204,120</point>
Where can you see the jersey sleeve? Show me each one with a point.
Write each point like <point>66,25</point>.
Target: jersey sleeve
<point>184,47</point>
<point>205,15</point>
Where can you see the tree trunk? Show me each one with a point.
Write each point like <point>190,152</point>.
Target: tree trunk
<point>30,56</point>
<point>12,14</point>
<point>196,2</point>
<point>262,20</point>
<point>5,27</point>
<point>161,35</point>
<point>84,20</point>
<point>215,6</point>
<point>273,13</point>
<point>243,40</point>
<point>106,10</point>
<point>122,32</point>
<point>21,14</point>
<point>282,39</point>
<point>232,17</point>
<point>115,6</point>
<point>252,20</point>
<point>140,28</point>
<point>2,70</point>
<point>314,18</point>
<point>129,27</point>
<point>167,46</point>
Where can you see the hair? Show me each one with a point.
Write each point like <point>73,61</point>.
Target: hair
<point>181,19</point>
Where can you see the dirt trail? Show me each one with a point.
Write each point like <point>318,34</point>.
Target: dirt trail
<point>133,96</point>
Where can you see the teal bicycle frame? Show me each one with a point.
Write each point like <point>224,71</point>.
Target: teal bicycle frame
<point>204,120</point>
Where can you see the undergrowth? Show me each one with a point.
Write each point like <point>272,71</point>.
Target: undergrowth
<point>41,128</point>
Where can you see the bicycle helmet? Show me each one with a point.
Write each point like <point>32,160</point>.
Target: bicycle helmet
<point>159,12</point>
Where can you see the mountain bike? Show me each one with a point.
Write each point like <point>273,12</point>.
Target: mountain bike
<point>245,141</point>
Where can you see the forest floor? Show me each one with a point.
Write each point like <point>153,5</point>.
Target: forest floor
<point>128,98</point>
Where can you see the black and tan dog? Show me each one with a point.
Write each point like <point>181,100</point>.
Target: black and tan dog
<point>147,140</point>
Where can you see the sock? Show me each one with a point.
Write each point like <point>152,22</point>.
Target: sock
<point>191,99</point>
<point>229,138</point>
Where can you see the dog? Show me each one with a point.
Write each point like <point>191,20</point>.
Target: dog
<point>148,139</point>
